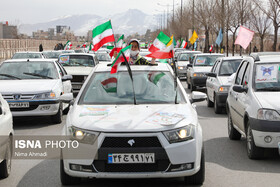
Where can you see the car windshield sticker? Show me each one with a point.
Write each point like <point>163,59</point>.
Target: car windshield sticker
<point>165,118</point>
<point>154,77</point>
<point>110,85</point>
<point>94,111</point>
<point>267,73</point>
<point>200,61</point>
<point>64,59</point>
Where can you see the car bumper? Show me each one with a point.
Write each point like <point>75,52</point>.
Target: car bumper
<point>198,81</point>
<point>37,108</point>
<point>262,129</point>
<point>221,99</point>
<point>182,73</point>
<point>176,154</point>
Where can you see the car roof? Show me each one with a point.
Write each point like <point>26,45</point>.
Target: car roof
<point>101,67</point>
<point>209,54</point>
<point>186,51</point>
<point>231,58</point>
<point>80,54</point>
<point>30,60</point>
<point>29,52</point>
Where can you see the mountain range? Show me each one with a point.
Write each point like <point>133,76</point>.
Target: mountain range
<point>129,22</point>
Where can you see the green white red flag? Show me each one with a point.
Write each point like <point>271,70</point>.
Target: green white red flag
<point>118,47</point>
<point>110,85</point>
<point>184,44</point>
<point>154,77</point>
<point>160,42</point>
<point>164,53</point>
<point>68,45</point>
<point>120,58</point>
<point>102,34</point>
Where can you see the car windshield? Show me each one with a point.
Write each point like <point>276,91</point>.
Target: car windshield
<point>28,70</point>
<point>229,67</point>
<point>26,55</point>
<point>154,87</point>
<point>185,56</point>
<point>267,77</point>
<point>52,54</point>
<point>206,60</point>
<point>103,56</point>
<point>76,60</point>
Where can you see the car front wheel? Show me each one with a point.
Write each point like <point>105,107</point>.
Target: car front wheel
<point>217,108</point>
<point>209,103</point>
<point>6,164</point>
<point>233,134</point>
<point>253,151</point>
<point>57,118</point>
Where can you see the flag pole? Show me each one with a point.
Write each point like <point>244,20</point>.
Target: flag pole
<point>114,34</point>
<point>130,74</point>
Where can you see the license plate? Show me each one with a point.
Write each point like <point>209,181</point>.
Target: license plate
<point>77,87</point>
<point>19,105</point>
<point>129,158</point>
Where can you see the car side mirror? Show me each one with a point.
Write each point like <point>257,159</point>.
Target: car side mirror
<point>197,97</point>
<point>67,77</point>
<point>66,98</point>
<point>240,89</point>
<point>212,74</point>
<point>189,65</point>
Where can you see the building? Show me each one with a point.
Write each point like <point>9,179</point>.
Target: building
<point>8,32</point>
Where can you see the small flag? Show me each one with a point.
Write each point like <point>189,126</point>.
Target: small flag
<point>164,53</point>
<point>110,85</point>
<point>102,34</point>
<point>160,42</point>
<point>154,77</point>
<point>220,37</point>
<point>68,45</point>
<point>184,44</point>
<point>244,37</point>
<point>194,37</point>
<point>118,47</point>
<point>120,59</point>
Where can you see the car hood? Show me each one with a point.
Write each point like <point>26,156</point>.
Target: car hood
<point>269,100</point>
<point>183,63</point>
<point>78,70</point>
<point>202,69</point>
<point>131,118</point>
<point>224,80</point>
<point>27,86</point>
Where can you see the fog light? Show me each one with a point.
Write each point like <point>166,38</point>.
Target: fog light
<point>75,167</point>
<point>268,139</point>
<point>46,107</point>
<point>181,167</point>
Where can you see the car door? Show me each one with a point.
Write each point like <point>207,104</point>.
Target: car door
<point>232,97</point>
<point>211,81</point>
<point>67,86</point>
<point>189,71</point>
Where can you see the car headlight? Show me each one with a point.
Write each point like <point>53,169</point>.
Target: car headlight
<point>83,136</point>
<point>199,75</point>
<point>268,114</point>
<point>48,95</point>
<point>181,134</point>
<point>223,88</point>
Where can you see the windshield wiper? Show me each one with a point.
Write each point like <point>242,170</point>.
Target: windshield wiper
<point>269,89</point>
<point>10,76</point>
<point>38,75</point>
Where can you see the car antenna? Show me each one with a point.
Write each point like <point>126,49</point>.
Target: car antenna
<point>175,78</point>
<point>130,74</point>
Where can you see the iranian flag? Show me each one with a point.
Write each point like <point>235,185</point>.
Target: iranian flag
<point>184,44</point>
<point>110,85</point>
<point>154,77</point>
<point>118,47</point>
<point>164,53</point>
<point>160,42</point>
<point>102,34</point>
<point>120,58</point>
<point>68,45</point>
<point>90,47</point>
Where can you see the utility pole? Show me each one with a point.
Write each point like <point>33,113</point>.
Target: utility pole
<point>223,23</point>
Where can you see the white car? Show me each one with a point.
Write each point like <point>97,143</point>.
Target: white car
<point>6,137</point>
<point>219,81</point>
<point>35,87</point>
<point>253,104</point>
<point>52,54</point>
<point>183,59</point>
<point>79,65</point>
<point>199,68</point>
<point>28,55</point>
<point>103,57</point>
<point>150,131</point>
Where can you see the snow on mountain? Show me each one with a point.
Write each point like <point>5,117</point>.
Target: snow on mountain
<point>129,22</point>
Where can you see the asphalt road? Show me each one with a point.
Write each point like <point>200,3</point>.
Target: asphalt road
<point>226,161</point>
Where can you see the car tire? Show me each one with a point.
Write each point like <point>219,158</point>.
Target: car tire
<point>233,134</point>
<point>57,118</point>
<point>67,179</point>
<point>66,110</point>
<point>217,108</point>
<point>6,164</point>
<point>209,103</point>
<point>199,177</point>
<point>253,151</point>
<point>189,86</point>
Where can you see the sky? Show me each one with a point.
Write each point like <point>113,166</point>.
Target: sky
<point>38,11</point>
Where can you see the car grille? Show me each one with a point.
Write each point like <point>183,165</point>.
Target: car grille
<point>22,97</point>
<point>78,78</point>
<point>123,142</point>
<point>31,107</point>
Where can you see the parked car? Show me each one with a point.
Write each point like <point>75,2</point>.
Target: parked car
<point>199,68</point>
<point>151,131</point>
<point>253,104</point>
<point>28,55</point>
<point>6,138</point>
<point>219,81</point>
<point>183,59</point>
<point>35,87</point>
<point>79,65</point>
